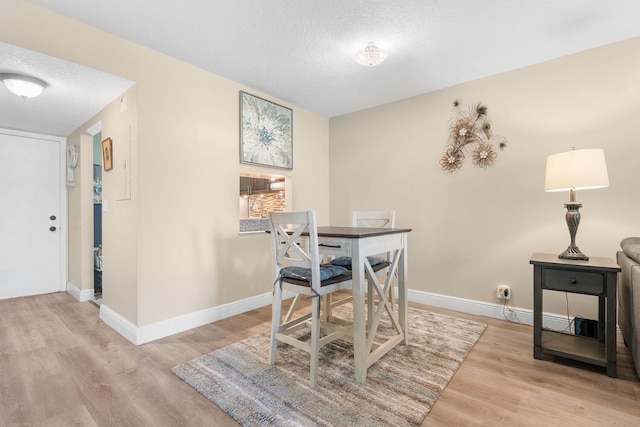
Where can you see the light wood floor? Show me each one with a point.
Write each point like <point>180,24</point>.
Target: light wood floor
<point>61,365</point>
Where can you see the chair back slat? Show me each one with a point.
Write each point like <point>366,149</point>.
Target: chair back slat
<point>374,219</point>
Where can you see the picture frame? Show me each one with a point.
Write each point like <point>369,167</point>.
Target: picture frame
<point>266,132</point>
<point>107,154</point>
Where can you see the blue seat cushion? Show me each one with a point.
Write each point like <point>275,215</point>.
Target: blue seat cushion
<point>327,271</point>
<point>377,263</point>
<point>345,261</point>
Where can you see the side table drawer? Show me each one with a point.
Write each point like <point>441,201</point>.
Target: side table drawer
<point>581,282</point>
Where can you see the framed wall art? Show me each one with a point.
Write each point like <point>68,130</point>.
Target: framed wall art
<point>265,132</point>
<point>107,154</point>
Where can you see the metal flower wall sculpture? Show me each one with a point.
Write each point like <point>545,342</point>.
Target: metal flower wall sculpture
<point>470,130</point>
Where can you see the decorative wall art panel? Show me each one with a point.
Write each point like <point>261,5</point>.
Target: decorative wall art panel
<point>471,131</point>
<point>265,132</point>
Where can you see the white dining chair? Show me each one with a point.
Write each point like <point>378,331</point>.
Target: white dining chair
<point>298,270</point>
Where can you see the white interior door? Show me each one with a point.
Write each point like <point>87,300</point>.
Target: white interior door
<point>30,216</point>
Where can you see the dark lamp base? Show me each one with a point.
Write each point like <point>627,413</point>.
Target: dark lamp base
<point>573,220</point>
<point>574,253</point>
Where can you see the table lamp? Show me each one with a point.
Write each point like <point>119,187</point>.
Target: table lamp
<point>570,171</point>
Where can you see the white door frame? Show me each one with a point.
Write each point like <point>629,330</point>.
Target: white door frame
<point>62,212</point>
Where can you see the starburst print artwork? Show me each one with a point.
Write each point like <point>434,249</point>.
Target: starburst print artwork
<point>266,132</point>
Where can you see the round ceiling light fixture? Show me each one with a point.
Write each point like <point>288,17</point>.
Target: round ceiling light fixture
<point>371,55</point>
<point>23,86</point>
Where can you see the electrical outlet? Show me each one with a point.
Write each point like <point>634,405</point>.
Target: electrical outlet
<point>504,292</point>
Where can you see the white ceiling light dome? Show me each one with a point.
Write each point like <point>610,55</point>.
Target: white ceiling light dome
<point>371,55</point>
<point>23,86</point>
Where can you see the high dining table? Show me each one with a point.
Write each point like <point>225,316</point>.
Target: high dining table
<point>360,243</point>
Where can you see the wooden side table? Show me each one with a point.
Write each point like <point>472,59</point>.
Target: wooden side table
<point>598,277</point>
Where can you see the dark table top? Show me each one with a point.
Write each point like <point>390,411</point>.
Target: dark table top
<point>592,263</point>
<point>358,232</point>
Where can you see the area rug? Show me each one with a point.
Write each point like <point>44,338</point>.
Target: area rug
<point>400,389</point>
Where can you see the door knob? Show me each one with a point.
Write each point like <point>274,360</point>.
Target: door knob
<point>52,228</point>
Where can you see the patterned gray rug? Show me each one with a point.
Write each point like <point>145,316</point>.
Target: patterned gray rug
<point>400,390</point>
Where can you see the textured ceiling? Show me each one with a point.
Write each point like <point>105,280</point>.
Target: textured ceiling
<point>301,51</point>
<point>74,93</point>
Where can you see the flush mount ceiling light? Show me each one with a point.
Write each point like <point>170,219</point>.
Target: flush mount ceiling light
<point>371,55</point>
<point>23,86</point>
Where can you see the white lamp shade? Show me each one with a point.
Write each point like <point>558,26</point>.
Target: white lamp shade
<point>576,169</point>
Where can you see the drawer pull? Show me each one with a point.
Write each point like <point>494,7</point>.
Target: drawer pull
<point>324,245</point>
<point>573,281</point>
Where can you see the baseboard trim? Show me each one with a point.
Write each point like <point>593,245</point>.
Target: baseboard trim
<point>124,327</point>
<point>82,295</point>
<point>144,334</point>
<point>496,311</point>
<point>154,331</point>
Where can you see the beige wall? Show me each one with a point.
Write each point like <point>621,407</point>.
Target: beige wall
<point>191,256</point>
<point>74,222</point>
<point>120,208</point>
<point>174,247</point>
<point>80,215</point>
<point>477,228</point>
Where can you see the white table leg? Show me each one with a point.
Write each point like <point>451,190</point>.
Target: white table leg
<point>359,322</point>
<point>403,296</point>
